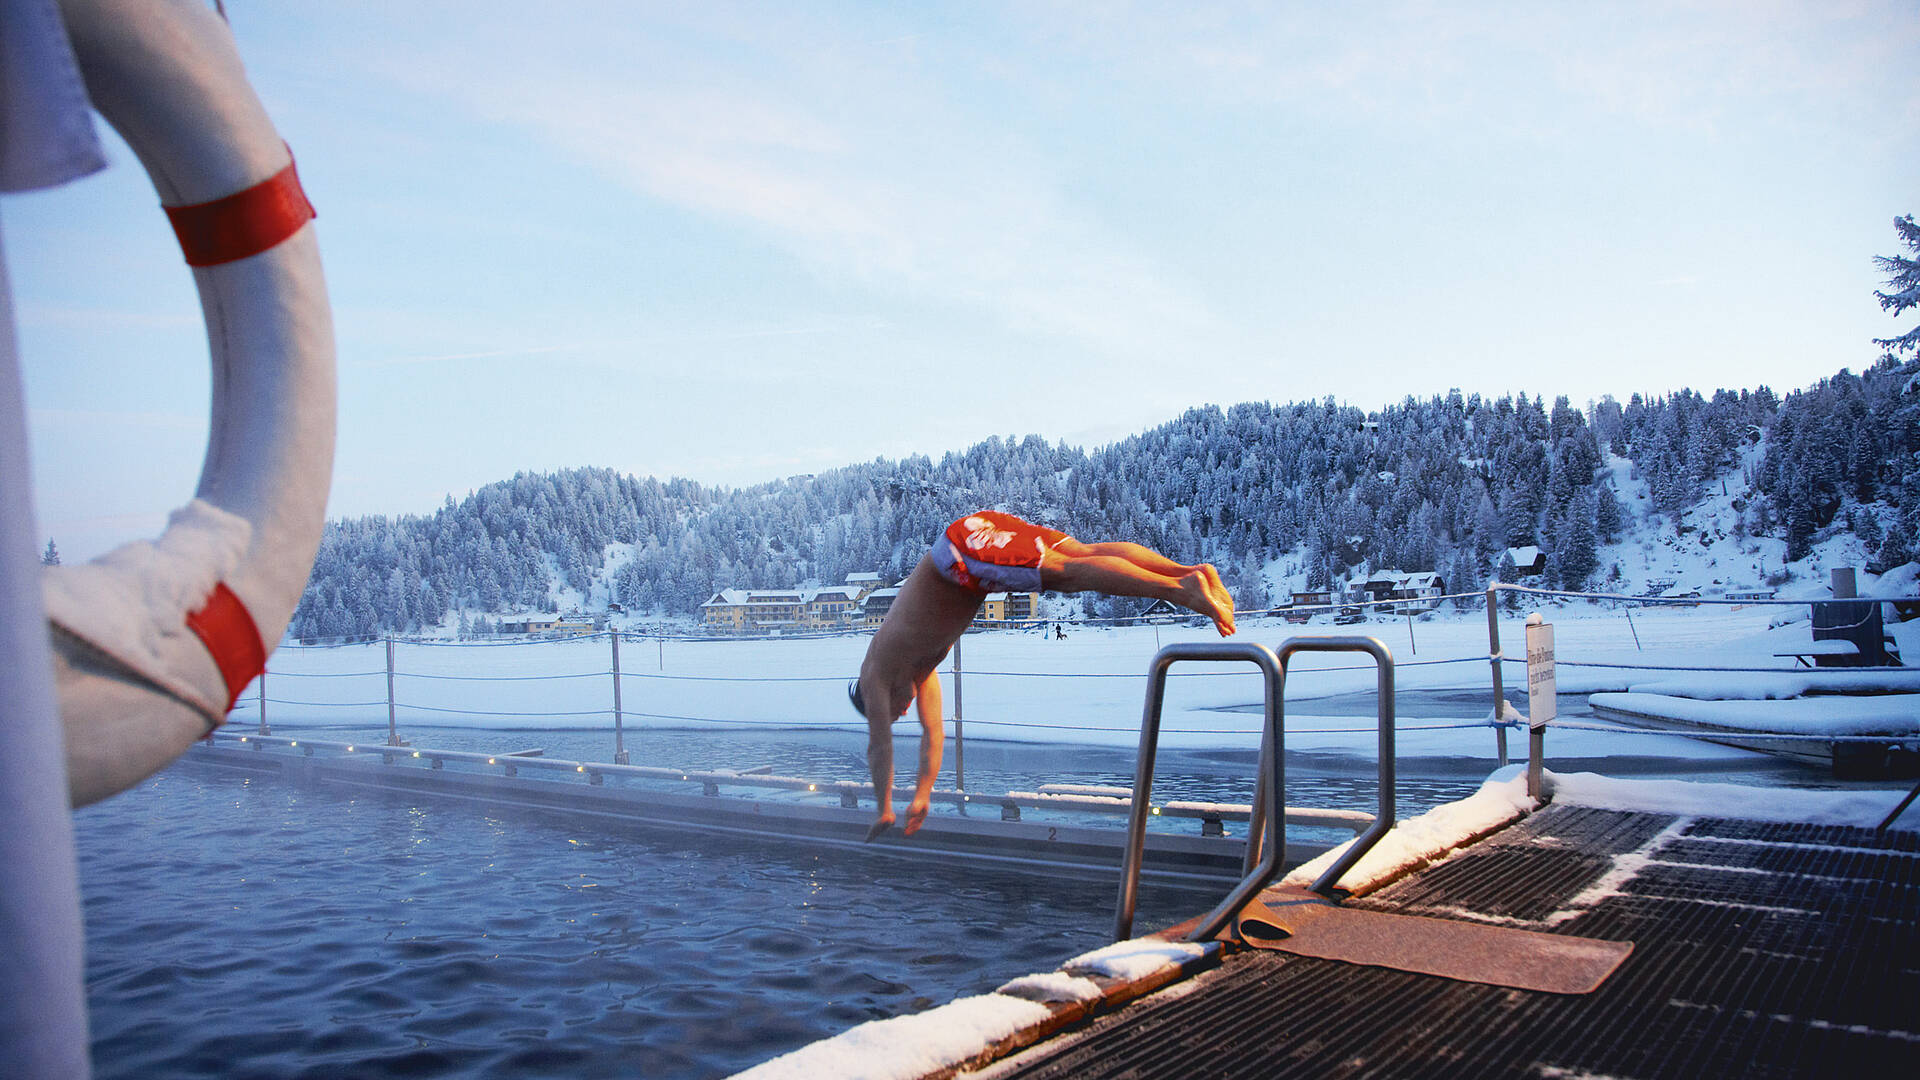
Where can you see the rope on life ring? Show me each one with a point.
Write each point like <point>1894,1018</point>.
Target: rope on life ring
<point>155,640</point>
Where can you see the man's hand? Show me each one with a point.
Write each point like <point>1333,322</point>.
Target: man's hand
<point>916,816</point>
<point>885,821</point>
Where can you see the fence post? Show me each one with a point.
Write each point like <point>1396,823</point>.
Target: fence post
<point>1493,657</point>
<point>1412,645</point>
<point>619,734</point>
<point>264,729</point>
<point>1542,698</point>
<point>393,730</point>
<point>959,729</point>
<point>1628,611</point>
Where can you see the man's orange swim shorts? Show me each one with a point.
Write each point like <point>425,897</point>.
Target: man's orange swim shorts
<point>988,551</point>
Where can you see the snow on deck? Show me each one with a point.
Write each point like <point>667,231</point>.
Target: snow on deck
<point>908,1047</point>
<point>1134,959</point>
<point>1420,840</point>
<point>1416,841</point>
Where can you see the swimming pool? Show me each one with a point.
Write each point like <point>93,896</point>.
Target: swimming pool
<point>244,927</point>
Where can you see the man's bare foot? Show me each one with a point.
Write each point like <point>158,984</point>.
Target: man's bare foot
<point>881,824</point>
<point>1224,621</point>
<point>1221,597</point>
<point>1199,596</point>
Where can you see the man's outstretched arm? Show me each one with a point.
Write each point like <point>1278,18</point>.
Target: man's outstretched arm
<point>933,736</point>
<point>880,761</point>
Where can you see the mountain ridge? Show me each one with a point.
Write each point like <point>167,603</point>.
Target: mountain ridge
<point>1278,496</point>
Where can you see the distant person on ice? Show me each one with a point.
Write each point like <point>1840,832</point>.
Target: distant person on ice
<point>981,553</point>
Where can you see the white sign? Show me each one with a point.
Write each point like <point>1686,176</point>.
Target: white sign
<point>1540,688</point>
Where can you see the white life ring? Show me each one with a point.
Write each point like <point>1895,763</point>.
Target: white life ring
<point>155,640</point>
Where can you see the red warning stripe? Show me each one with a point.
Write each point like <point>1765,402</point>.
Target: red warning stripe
<point>244,223</point>
<point>226,628</point>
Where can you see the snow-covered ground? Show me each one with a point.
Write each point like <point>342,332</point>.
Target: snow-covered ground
<point>1085,689</point>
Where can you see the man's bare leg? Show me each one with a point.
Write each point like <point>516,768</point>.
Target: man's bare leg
<point>933,737</point>
<point>1137,554</point>
<point>1119,576</point>
<point>880,716</point>
<point>1149,559</point>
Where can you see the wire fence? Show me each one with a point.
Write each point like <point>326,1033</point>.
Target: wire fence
<point>478,681</point>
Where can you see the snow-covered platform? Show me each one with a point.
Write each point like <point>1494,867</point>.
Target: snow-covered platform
<point>1869,735</point>
<point>1776,933</point>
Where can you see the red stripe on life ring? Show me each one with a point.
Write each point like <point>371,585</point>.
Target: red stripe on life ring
<point>244,223</point>
<point>226,628</point>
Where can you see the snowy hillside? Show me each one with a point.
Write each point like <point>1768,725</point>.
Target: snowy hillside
<point>1737,491</point>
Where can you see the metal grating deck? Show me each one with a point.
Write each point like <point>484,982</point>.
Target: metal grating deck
<point>1762,950</point>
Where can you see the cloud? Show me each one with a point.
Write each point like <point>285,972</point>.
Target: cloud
<point>616,346</point>
<point>1513,64</point>
<point>849,157</point>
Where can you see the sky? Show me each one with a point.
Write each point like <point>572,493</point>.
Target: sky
<point>739,242</point>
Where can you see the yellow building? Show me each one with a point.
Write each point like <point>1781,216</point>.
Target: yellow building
<point>726,611</point>
<point>1003,607</point>
<point>874,606</point>
<point>754,610</point>
<point>832,607</point>
<point>759,611</point>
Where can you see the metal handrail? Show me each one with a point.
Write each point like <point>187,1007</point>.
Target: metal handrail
<point>1266,799</point>
<point>1270,785</point>
<point>1383,688</point>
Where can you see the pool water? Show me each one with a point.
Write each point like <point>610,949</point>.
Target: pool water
<point>245,927</point>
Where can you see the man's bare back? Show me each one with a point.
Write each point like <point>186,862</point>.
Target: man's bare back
<point>901,668</point>
<point>938,602</point>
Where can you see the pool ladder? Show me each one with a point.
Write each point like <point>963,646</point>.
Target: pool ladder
<point>1266,825</point>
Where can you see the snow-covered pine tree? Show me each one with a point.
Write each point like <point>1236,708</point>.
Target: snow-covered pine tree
<point>1607,517</point>
<point>1903,283</point>
<point>1578,546</point>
